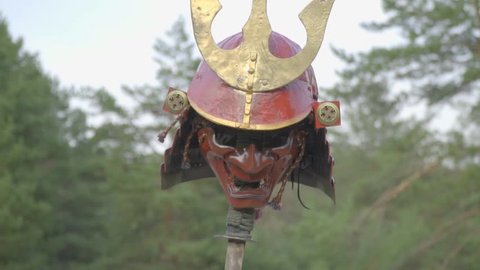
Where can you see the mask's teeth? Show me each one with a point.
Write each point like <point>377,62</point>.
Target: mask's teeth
<point>234,189</point>
<point>262,183</point>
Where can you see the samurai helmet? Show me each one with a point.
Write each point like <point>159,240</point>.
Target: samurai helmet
<point>251,117</point>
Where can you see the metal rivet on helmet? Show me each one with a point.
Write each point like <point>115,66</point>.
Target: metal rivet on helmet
<point>328,113</point>
<point>176,101</point>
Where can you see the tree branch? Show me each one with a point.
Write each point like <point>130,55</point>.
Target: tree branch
<point>476,5</point>
<point>452,255</point>
<point>438,235</point>
<point>390,194</point>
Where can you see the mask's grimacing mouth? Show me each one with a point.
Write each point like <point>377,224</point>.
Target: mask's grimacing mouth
<point>248,184</point>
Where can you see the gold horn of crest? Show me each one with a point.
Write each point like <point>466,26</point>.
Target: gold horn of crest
<point>251,66</point>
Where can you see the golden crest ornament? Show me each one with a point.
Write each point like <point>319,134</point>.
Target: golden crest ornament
<point>251,66</point>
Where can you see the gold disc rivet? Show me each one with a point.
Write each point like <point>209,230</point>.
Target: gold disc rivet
<point>177,101</point>
<point>328,113</point>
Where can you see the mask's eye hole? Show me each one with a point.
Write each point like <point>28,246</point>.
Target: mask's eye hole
<point>242,138</point>
<point>275,139</point>
<point>225,136</point>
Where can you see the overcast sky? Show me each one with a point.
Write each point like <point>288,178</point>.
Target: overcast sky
<point>109,42</point>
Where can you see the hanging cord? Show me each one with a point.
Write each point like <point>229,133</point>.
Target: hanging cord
<point>186,160</point>
<point>162,135</point>
<point>276,202</point>
<point>298,192</point>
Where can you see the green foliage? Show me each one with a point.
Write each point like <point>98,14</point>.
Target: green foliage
<point>177,57</point>
<point>440,55</point>
<point>25,154</point>
<point>406,210</point>
<point>46,208</point>
<point>145,227</point>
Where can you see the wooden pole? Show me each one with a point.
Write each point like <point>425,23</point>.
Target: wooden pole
<point>235,254</point>
<point>240,223</point>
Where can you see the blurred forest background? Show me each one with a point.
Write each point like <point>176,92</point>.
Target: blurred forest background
<point>79,171</point>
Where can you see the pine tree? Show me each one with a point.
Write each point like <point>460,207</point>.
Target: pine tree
<point>30,136</point>
<point>401,176</point>
<point>150,228</point>
<point>50,181</point>
<point>440,51</point>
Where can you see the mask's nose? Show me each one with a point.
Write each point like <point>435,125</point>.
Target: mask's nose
<point>250,163</point>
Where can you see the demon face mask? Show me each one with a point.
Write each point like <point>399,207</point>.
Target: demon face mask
<point>248,168</point>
